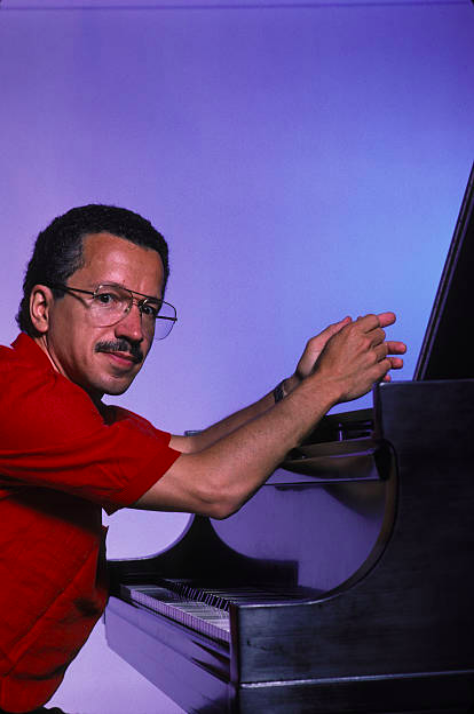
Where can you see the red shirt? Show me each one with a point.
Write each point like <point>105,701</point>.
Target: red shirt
<point>61,461</point>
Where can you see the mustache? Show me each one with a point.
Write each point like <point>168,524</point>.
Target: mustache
<point>121,345</point>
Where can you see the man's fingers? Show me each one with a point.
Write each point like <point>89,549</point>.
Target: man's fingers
<point>386,318</point>
<point>372,321</point>
<point>397,362</point>
<point>384,351</point>
<point>374,325</point>
<point>316,344</point>
<point>377,336</point>
<point>396,348</point>
<point>389,364</point>
<point>320,340</point>
<point>336,327</point>
<point>381,351</point>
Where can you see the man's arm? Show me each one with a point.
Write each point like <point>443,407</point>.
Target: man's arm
<point>208,436</point>
<point>219,478</point>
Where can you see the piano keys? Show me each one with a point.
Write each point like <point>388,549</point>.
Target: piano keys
<point>201,607</point>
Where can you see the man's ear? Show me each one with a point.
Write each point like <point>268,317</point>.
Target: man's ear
<point>41,301</point>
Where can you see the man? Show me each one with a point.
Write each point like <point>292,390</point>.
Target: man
<point>92,305</point>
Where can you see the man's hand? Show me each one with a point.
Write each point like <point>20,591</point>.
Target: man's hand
<point>315,347</point>
<point>357,355</point>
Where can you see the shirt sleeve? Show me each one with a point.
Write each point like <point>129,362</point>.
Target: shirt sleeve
<point>54,437</point>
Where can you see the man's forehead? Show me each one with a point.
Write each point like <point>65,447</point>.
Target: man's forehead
<point>95,245</point>
<point>107,240</point>
<point>108,258</point>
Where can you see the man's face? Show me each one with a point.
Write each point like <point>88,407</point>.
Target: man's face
<point>103,359</point>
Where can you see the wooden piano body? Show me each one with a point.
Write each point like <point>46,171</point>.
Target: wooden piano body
<point>372,537</point>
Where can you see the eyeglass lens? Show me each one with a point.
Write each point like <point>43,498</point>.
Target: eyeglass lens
<point>111,303</point>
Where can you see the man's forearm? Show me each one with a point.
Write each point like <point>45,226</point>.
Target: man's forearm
<point>224,427</point>
<point>218,479</point>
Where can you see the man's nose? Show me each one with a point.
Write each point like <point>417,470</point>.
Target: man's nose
<point>130,325</point>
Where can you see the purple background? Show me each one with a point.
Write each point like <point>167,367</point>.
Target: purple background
<point>304,162</point>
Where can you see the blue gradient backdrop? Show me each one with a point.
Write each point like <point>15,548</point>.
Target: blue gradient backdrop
<point>305,162</point>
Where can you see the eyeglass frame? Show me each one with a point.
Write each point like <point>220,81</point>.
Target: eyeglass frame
<point>139,303</point>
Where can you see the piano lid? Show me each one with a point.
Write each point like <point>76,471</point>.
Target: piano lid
<point>446,352</point>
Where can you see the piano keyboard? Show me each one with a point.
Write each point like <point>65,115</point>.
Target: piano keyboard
<point>204,609</point>
<point>199,616</point>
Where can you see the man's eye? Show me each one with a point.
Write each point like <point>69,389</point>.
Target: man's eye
<point>150,309</point>
<point>106,299</point>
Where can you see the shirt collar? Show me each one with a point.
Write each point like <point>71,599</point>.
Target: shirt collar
<point>26,347</point>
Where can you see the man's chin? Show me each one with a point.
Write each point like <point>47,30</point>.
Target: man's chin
<point>112,386</point>
<point>118,386</point>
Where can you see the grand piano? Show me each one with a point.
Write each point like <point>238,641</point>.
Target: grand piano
<point>346,583</point>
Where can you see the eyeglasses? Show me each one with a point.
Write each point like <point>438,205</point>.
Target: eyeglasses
<point>110,304</point>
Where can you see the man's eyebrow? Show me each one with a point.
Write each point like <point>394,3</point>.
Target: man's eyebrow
<point>134,292</point>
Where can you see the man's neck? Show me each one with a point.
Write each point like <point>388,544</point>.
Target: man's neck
<point>42,342</point>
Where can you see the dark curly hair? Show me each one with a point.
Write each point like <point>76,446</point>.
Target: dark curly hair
<point>58,249</point>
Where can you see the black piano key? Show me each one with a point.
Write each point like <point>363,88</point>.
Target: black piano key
<point>221,597</point>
